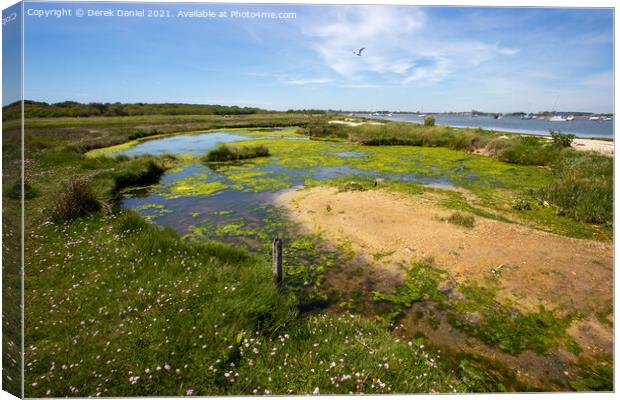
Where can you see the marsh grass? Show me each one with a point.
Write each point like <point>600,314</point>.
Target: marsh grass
<point>405,134</point>
<point>224,153</point>
<point>77,199</point>
<point>583,187</point>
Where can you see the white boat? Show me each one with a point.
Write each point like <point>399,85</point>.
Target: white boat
<point>595,118</point>
<point>557,118</point>
<point>570,118</point>
<point>608,119</point>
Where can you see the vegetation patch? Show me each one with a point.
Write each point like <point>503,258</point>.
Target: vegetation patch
<point>481,316</point>
<point>583,187</point>
<point>461,219</point>
<point>597,375</point>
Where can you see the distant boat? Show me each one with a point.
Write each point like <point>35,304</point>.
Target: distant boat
<point>557,118</point>
<point>498,116</point>
<point>595,118</point>
<point>570,118</point>
<point>608,119</point>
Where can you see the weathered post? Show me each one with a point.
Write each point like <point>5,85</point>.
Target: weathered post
<point>277,261</point>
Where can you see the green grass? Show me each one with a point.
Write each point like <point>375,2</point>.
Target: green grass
<point>172,316</point>
<point>224,153</point>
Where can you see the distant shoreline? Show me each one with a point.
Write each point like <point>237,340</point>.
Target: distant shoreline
<point>540,131</point>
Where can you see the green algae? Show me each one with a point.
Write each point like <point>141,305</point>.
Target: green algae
<point>152,211</point>
<point>192,186</point>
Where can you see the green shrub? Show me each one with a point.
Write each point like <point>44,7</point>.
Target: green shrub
<point>227,153</point>
<point>429,121</point>
<point>526,150</point>
<point>77,199</point>
<point>561,139</point>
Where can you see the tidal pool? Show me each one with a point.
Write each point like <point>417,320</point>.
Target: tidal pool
<point>233,202</point>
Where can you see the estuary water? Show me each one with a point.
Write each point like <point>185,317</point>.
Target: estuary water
<point>580,127</point>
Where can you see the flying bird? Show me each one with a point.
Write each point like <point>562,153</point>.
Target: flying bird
<point>359,52</point>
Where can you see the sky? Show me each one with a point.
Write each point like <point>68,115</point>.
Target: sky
<point>11,55</point>
<point>416,58</point>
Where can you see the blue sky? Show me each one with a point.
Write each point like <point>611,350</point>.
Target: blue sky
<point>438,59</point>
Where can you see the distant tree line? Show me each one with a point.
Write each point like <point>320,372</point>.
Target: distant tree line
<point>37,109</point>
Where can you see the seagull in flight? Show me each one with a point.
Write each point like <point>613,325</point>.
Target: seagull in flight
<point>359,52</point>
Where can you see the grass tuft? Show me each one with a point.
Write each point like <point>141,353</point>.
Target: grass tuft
<point>77,199</point>
<point>461,219</point>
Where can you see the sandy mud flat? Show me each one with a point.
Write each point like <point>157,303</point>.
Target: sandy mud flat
<point>600,146</point>
<point>533,267</point>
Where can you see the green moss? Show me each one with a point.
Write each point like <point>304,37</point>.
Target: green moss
<point>420,284</point>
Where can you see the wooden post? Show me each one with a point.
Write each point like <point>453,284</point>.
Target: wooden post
<point>277,261</point>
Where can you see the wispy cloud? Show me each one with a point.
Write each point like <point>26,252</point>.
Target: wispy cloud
<point>305,81</point>
<point>399,45</point>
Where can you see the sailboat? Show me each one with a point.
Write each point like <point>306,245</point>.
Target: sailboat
<point>555,117</point>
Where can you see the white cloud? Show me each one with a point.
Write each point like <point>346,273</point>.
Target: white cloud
<point>400,43</point>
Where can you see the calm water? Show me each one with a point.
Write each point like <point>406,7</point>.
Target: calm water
<point>182,144</point>
<point>581,127</point>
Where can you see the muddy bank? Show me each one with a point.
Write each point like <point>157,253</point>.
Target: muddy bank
<point>532,267</point>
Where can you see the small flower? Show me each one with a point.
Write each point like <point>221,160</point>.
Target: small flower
<point>316,391</point>
<point>189,392</point>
